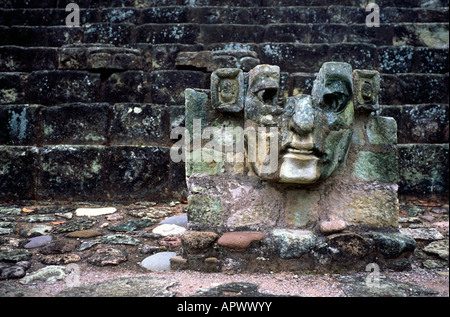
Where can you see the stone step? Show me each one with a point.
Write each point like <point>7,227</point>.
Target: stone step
<point>243,3</point>
<point>416,34</point>
<point>221,15</point>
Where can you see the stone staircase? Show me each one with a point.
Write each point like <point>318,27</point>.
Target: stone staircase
<point>116,76</point>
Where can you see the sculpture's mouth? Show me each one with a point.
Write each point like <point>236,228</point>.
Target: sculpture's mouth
<point>302,153</point>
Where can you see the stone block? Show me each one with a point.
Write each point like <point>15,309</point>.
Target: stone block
<point>75,123</point>
<point>289,243</point>
<point>177,180</point>
<point>427,123</point>
<point>172,14</point>
<point>22,59</point>
<point>430,60</point>
<point>17,172</point>
<point>370,166</point>
<point>19,124</point>
<point>168,86</point>
<point>28,36</point>
<point>360,55</point>
<point>393,244</point>
<point>205,209</point>
<point>185,33</point>
<point>280,14</point>
<point>63,35</point>
<point>423,168</point>
<point>137,172</point>
<point>56,87</point>
<point>129,86</point>
<point>12,88</point>
<point>366,88</point>
<point>223,33</point>
<point>120,15</point>
<point>347,247</point>
<point>98,56</point>
<point>214,60</point>
<point>198,242</point>
<point>108,33</point>
<point>239,240</point>
<point>382,130</point>
<point>360,33</point>
<point>71,172</point>
<point>227,90</point>
<point>285,55</point>
<point>411,88</point>
<point>164,55</point>
<point>136,123</point>
<point>302,207</point>
<point>396,59</point>
<point>434,35</point>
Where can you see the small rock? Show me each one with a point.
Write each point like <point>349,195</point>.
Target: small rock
<point>178,263</point>
<point>159,261</point>
<point>114,217</point>
<point>239,240</point>
<point>171,242</point>
<point>347,247</point>
<point>179,220</point>
<point>169,230</point>
<point>84,234</point>
<point>60,259</point>
<point>38,218</point>
<point>88,244</point>
<point>292,243</point>
<point>439,210</point>
<point>38,241</point>
<point>17,270</point>
<point>5,231</point>
<point>393,244</point>
<point>60,246</point>
<point>67,215</point>
<point>427,218</point>
<point>153,212</point>
<point>409,220</point>
<point>75,225</point>
<point>38,230</point>
<point>439,248</point>
<point>423,233</point>
<point>120,239</point>
<point>10,211</point>
<point>15,255</point>
<point>196,242</point>
<point>108,256</point>
<point>433,264</point>
<point>149,249</point>
<point>132,225</point>
<point>93,212</point>
<point>328,227</point>
<point>48,274</point>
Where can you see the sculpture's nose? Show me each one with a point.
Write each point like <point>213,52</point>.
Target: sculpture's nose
<point>302,121</point>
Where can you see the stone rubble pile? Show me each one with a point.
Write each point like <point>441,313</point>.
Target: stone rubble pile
<point>39,242</point>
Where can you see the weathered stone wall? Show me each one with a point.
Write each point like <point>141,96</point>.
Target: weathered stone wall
<point>86,112</point>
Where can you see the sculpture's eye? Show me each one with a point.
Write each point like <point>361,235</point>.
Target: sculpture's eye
<point>335,102</point>
<point>268,96</point>
<point>336,96</point>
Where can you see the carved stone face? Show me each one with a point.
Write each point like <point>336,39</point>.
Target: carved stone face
<point>313,133</point>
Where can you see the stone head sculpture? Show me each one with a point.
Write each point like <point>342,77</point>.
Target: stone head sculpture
<point>307,160</point>
<point>312,133</point>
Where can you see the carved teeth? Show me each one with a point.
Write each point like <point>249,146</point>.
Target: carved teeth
<point>300,151</point>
